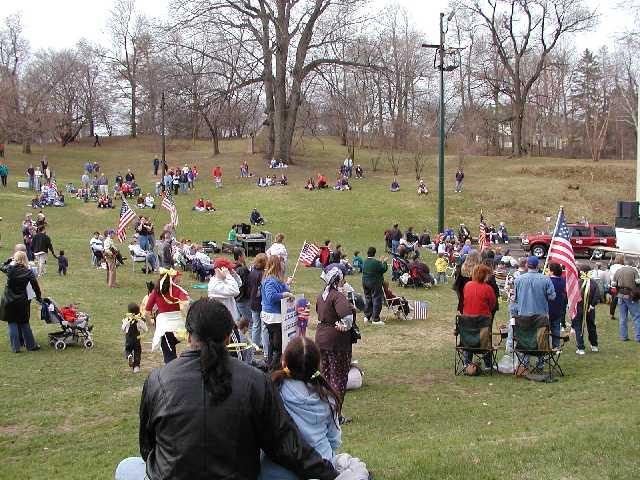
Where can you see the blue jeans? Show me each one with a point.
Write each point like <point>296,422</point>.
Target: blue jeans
<point>554,323</point>
<point>628,306</point>
<point>18,331</point>
<point>143,241</point>
<point>394,246</point>
<point>244,309</point>
<point>152,258</point>
<point>132,468</point>
<point>256,329</point>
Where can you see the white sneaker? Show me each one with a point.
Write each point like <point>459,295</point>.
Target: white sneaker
<point>579,352</point>
<point>136,369</point>
<point>379,322</point>
<point>366,320</point>
<point>594,349</point>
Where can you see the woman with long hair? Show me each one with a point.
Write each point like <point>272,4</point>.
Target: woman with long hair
<point>273,289</point>
<point>207,415</point>
<point>15,307</point>
<point>312,403</point>
<point>479,301</point>
<point>259,334</point>
<point>333,336</point>
<point>463,275</point>
<point>110,253</point>
<point>167,296</point>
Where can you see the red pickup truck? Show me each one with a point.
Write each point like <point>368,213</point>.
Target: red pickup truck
<point>585,239</point>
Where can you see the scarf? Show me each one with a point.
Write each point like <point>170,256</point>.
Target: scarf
<point>331,279</point>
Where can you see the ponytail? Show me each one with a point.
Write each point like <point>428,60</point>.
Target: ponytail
<point>210,324</point>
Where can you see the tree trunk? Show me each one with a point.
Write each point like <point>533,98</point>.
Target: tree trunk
<point>216,145</point>
<point>518,119</point>
<point>134,105</point>
<point>26,147</point>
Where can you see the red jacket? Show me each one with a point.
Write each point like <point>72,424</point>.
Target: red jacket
<point>217,172</point>
<point>479,299</point>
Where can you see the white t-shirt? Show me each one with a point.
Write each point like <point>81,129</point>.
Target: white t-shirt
<point>279,250</point>
<point>96,244</point>
<point>203,258</point>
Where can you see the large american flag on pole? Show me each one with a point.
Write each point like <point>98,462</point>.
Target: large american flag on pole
<point>482,237</point>
<point>561,251</point>
<point>167,204</point>
<point>308,254</point>
<point>126,217</point>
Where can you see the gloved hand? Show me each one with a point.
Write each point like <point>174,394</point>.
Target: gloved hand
<point>350,468</point>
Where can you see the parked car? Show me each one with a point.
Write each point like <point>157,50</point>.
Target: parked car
<point>585,239</point>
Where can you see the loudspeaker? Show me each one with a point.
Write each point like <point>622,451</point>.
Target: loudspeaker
<point>622,222</point>
<point>628,209</point>
<point>243,228</point>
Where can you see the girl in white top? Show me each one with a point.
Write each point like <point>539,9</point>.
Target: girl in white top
<point>277,249</point>
<point>225,285</point>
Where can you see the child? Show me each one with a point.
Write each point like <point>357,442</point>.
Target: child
<point>63,263</point>
<point>441,269</point>
<point>310,401</point>
<point>357,261</point>
<point>132,326</point>
<point>302,310</point>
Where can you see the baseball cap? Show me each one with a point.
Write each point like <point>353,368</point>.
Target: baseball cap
<point>533,261</point>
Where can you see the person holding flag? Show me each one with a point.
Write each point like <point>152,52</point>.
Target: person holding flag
<point>169,205</point>
<point>482,236</point>
<point>586,312</point>
<point>110,253</point>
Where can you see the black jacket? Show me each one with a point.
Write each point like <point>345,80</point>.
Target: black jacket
<point>243,273</point>
<point>184,436</point>
<point>41,243</point>
<point>254,280</point>
<point>15,291</point>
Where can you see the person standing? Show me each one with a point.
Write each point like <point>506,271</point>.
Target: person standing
<point>96,141</point>
<point>534,290</point>
<point>103,184</point>
<point>217,175</point>
<point>156,165</point>
<point>21,286</point>
<point>459,179</point>
<point>333,335</point>
<point>30,176</point>
<point>586,312</point>
<point>110,253</point>
<point>626,281</point>
<point>4,173</point>
<point>224,286</point>
<point>557,306</point>
<point>618,263</point>
<point>242,300</point>
<point>44,164</point>
<point>259,334</point>
<point>37,180</point>
<point>273,289</point>
<point>395,235</point>
<point>1,150</point>
<point>372,280</point>
<point>41,245</point>
<point>278,248</point>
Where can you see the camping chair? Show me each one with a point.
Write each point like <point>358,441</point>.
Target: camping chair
<point>501,280</point>
<point>138,259</point>
<point>474,335</point>
<point>394,308</point>
<point>532,337</point>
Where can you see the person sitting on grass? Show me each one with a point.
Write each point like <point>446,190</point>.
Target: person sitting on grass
<point>310,184</point>
<point>321,181</point>
<point>149,201</point>
<point>199,206</point>
<point>422,188</point>
<point>357,261</point>
<point>208,206</point>
<point>359,171</point>
<point>283,180</point>
<point>395,186</point>
<point>140,202</point>
<point>255,218</point>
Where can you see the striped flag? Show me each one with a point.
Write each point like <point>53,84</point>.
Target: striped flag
<point>482,237</point>
<point>126,217</point>
<point>167,204</point>
<point>308,254</point>
<point>561,251</point>
<point>420,310</point>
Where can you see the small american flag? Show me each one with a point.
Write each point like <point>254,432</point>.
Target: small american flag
<point>126,217</point>
<point>167,204</point>
<point>420,310</point>
<point>308,254</point>
<point>561,251</point>
<point>482,237</point>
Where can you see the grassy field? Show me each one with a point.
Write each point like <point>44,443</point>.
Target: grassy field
<point>73,414</point>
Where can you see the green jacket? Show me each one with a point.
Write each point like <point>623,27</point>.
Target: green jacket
<point>4,170</point>
<point>373,272</point>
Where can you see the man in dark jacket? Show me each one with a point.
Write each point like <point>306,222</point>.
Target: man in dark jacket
<point>254,280</point>
<point>243,301</point>
<point>41,245</point>
<point>395,235</point>
<point>156,164</point>
<point>586,312</point>
<point>372,280</point>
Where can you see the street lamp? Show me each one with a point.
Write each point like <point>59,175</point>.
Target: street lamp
<point>448,68</point>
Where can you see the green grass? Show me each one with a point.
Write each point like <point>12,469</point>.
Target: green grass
<point>73,414</point>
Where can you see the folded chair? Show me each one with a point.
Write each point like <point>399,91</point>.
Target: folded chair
<point>474,335</point>
<point>394,308</point>
<point>532,337</point>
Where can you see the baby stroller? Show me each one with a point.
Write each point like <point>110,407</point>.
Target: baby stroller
<point>399,267</point>
<point>74,325</point>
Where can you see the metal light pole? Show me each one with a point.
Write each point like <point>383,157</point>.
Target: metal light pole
<point>638,148</point>
<point>164,162</point>
<point>441,51</point>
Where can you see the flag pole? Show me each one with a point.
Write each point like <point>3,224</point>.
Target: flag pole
<point>295,269</point>
<point>553,236</point>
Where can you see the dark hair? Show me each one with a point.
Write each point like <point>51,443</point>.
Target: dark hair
<point>210,323</point>
<point>327,242</point>
<point>237,253</point>
<point>555,268</point>
<point>371,251</point>
<point>133,308</point>
<point>302,358</point>
<point>150,287</point>
<point>61,253</point>
<point>356,253</point>
<point>165,286</point>
<point>489,262</point>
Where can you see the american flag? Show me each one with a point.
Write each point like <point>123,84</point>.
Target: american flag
<point>420,310</point>
<point>482,237</point>
<point>561,251</point>
<point>308,254</point>
<point>126,217</point>
<point>167,204</point>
